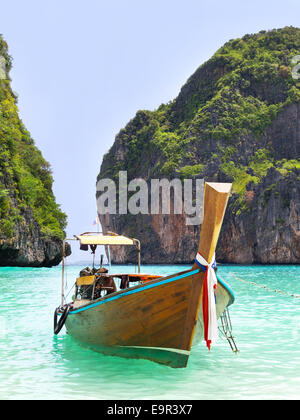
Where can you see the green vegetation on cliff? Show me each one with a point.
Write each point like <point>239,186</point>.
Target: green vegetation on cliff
<point>25,176</point>
<point>220,117</point>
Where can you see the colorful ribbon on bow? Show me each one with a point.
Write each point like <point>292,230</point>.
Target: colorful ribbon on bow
<point>209,300</point>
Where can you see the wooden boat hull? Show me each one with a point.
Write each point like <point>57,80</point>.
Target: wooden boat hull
<point>155,321</point>
<point>159,320</point>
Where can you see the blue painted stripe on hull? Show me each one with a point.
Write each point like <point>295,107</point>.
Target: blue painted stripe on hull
<point>130,292</point>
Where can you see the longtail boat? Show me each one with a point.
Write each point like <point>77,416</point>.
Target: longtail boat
<point>158,318</point>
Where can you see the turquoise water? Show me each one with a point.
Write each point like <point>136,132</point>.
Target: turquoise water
<point>35,364</point>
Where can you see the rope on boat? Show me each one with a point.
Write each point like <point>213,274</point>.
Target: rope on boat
<point>261,286</point>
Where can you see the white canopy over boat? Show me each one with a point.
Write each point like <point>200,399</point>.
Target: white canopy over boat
<point>91,238</point>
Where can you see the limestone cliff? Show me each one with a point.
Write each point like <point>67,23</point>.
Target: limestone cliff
<point>31,223</point>
<point>237,119</point>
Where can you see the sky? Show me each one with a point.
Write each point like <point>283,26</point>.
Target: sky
<point>82,69</point>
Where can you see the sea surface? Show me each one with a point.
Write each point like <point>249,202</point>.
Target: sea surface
<point>36,364</point>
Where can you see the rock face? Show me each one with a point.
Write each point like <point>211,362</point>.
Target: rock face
<point>31,223</point>
<point>237,119</point>
<point>29,247</point>
<point>269,233</point>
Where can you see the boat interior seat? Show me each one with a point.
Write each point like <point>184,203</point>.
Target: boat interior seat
<point>106,283</point>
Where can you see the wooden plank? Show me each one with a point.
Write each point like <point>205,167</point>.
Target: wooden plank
<point>215,201</point>
<point>85,280</point>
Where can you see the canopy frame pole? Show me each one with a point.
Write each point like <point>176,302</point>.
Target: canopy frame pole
<point>108,254</point>
<point>63,275</point>
<point>139,255</point>
<point>63,268</point>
